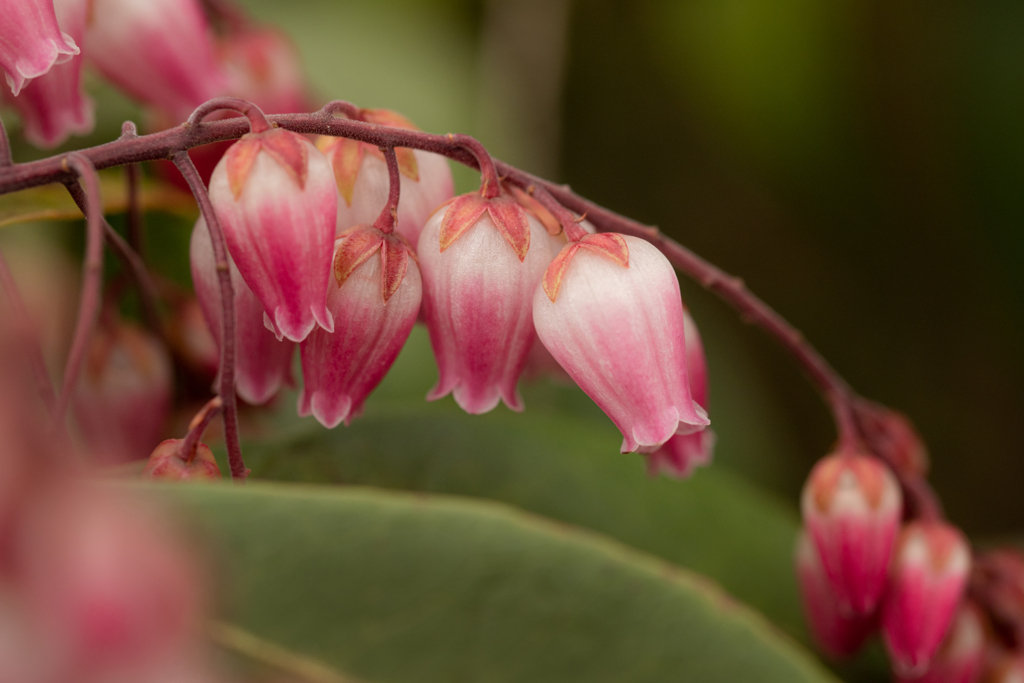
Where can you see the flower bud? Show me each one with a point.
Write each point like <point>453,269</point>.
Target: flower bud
<point>123,397</point>
<point>52,106</point>
<point>610,313</point>
<point>262,362</point>
<point>892,437</point>
<point>169,463</point>
<point>837,634</point>
<point>683,453</point>
<point>374,298</point>
<point>362,178</point>
<point>480,260</point>
<point>274,194</point>
<point>961,657</point>
<point>158,51</point>
<point>851,506</point>
<point>926,580</point>
<point>110,587</point>
<point>31,41</point>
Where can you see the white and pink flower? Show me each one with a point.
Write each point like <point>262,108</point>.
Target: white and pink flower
<point>374,299</point>
<point>31,41</point>
<point>362,178</point>
<point>481,260</point>
<point>610,313</point>
<point>161,52</point>
<point>262,361</point>
<point>53,106</point>
<point>926,581</point>
<point>852,507</point>
<point>274,194</point>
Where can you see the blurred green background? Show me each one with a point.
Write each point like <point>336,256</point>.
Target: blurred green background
<point>858,163</point>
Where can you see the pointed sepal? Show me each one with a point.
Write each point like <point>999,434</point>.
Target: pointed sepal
<point>510,220</point>
<point>239,160</point>
<point>462,214</point>
<point>288,149</point>
<point>346,158</point>
<point>611,245</point>
<point>394,262</point>
<point>355,246</point>
<point>537,210</point>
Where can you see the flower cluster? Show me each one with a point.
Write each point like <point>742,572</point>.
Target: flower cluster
<point>165,54</point>
<point>860,571</point>
<point>491,273</point>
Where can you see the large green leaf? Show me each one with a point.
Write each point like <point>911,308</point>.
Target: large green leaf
<point>388,586</point>
<point>559,459</point>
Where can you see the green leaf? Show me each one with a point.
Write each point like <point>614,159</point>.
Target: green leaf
<point>558,459</point>
<point>52,202</point>
<point>389,586</point>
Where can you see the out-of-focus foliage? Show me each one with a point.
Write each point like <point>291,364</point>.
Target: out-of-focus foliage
<point>394,587</point>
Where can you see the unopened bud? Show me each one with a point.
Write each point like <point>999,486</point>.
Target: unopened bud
<point>961,656</point>
<point>123,397</point>
<point>838,634</point>
<point>926,581</point>
<point>892,437</point>
<point>169,463</point>
<point>851,506</point>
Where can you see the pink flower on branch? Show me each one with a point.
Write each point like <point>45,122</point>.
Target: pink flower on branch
<point>852,507</point>
<point>683,453</point>
<point>31,41</point>
<point>262,362</point>
<point>160,52</point>
<point>838,633</point>
<point>610,313</point>
<point>362,178</point>
<point>52,106</point>
<point>926,581</point>
<point>374,298</point>
<point>481,259</point>
<point>274,194</point>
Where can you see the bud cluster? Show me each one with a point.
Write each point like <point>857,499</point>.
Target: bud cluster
<point>859,572</point>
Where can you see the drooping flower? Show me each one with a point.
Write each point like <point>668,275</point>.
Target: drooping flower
<point>374,298</point>
<point>609,311</point>
<point>262,66</point>
<point>961,656</point>
<point>262,362</point>
<point>926,581</point>
<point>362,178</point>
<point>31,41</point>
<point>481,260</point>
<point>838,634</point>
<point>683,453</point>
<point>123,397</point>
<point>852,507</point>
<point>53,106</point>
<point>160,52</point>
<point>274,194</point>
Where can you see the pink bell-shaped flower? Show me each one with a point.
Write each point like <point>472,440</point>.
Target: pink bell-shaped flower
<point>262,66</point>
<point>480,260</point>
<point>374,299</point>
<point>683,453</point>
<point>274,194</point>
<point>926,580</point>
<point>961,657</point>
<point>109,587</point>
<point>31,41</point>
<point>610,312</point>
<point>262,362</point>
<point>53,106</point>
<point>362,178</point>
<point>852,507</point>
<point>123,398</point>
<point>160,52</point>
<point>837,634</point>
